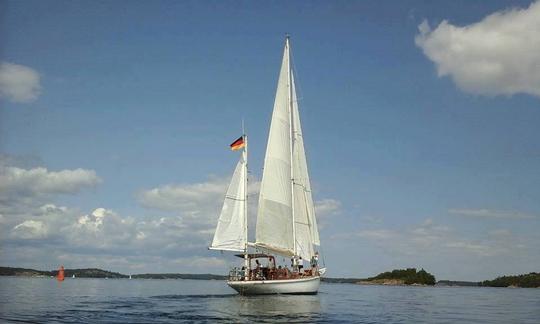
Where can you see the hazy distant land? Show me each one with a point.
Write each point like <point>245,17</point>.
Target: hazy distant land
<point>408,276</point>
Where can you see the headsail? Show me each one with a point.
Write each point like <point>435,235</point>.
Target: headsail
<point>231,229</point>
<point>274,218</point>
<point>307,233</point>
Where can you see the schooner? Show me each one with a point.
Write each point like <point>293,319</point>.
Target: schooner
<point>286,223</point>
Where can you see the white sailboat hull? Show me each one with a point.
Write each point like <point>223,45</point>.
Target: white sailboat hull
<point>301,286</point>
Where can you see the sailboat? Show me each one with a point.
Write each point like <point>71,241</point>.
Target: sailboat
<point>286,223</point>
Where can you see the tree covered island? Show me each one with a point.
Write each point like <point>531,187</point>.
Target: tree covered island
<point>407,276</point>
<point>530,280</point>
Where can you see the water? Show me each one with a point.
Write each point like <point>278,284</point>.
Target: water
<point>169,301</point>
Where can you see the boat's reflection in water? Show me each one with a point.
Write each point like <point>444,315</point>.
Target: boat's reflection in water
<point>304,307</point>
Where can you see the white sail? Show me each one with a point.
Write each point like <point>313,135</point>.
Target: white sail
<point>231,228</point>
<point>307,233</point>
<point>274,230</point>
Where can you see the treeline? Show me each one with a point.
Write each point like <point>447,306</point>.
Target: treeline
<point>409,276</point>
<point>531,280</point>
<point>79,273</point>
<point>99,273</point>
<point>91,273</point>
<point>8,271</point>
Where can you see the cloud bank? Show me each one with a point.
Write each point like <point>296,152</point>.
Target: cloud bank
<point>499,55</point>
<point>447,251</point>
<point>171,235</point>
<point>490,214</point>
<point>19,83</point>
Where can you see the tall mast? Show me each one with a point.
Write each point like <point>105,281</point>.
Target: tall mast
<point>291,137</point>
<point>245,156</point>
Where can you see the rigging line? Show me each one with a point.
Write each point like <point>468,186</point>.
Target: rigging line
<point>296,79</point>
<point>232,198</point>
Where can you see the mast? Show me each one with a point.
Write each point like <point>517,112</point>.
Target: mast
<point>245,156</point>
<point>291,138</point>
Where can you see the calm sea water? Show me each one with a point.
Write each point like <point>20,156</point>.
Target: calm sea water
<point>168,301</point>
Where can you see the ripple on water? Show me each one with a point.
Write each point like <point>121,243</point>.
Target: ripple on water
<point>172,301</point>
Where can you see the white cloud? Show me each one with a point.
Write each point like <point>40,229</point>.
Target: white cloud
<point>30,229</point>
<point>19,83</point>
<point>197,203</point>
<point>185,197</point>
<point>429,238</point>
<point>327,207</point>
<point>474,248</point>
<point>377,234</point>
<point>498,55</point>
<point>107,238</point>
<point>40,181</point>
<point>490,214</point>
<point>44,222</point>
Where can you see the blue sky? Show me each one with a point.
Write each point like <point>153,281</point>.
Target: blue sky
<point>420,118</point>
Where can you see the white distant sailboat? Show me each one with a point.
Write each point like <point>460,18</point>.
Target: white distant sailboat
<point>286,223</point>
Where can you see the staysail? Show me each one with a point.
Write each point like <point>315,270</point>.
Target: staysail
<point>274,230</point>
<point>231,229</point>
<point>286,221</point>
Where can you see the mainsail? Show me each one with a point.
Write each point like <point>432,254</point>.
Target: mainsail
<point>231,229</point>
<point>274,218</point>
<point>286,221</point>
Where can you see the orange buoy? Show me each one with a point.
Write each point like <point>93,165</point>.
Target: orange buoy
<point>60,276</point>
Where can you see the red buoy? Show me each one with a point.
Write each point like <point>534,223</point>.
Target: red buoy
<point>60,276</point>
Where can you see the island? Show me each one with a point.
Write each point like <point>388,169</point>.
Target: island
<point>530,280</point>
<point>409,276</point>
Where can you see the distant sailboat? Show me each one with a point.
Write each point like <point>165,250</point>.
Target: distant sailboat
<point>129,276</point>
<point>286,223</point>
<point>73,276</point>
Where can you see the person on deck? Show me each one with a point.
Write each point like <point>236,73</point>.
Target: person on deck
<point>315,260</point>
<point>258,274</point>
<point>243,273</point>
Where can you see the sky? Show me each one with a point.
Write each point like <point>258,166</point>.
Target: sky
<point>420,121</point>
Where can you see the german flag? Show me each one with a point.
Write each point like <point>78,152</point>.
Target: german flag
<point>238,144</point>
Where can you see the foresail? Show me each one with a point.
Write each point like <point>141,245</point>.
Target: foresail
<point>231,232</point>
<point>307,233</point>
<point>274,218</point>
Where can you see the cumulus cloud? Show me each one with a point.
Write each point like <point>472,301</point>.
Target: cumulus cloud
<point>28,192</point>
<point>499,55</point>
<point>40,181</point>
<point>490,214</point>
<point>198,202</point>
<point>30,229</point>
<point>19,83</point>
<point>185,197</point>
<point>108,238</point>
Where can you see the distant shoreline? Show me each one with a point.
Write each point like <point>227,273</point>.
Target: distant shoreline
<point>531,280</point>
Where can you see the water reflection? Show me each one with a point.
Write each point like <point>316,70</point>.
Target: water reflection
<point>277,304</point>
